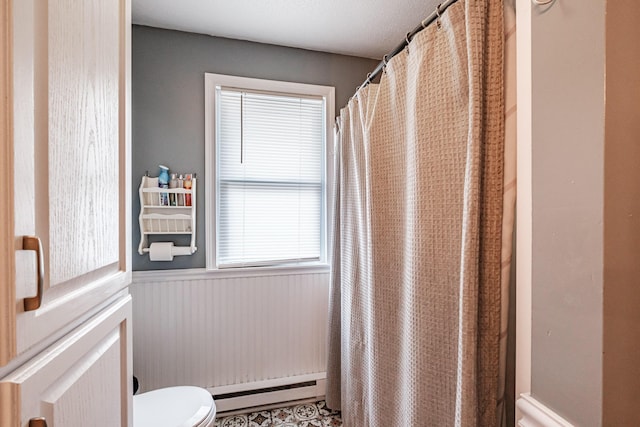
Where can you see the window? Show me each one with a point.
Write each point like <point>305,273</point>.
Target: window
<point>266,171</point>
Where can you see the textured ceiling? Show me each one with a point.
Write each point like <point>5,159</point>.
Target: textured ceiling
<point>368,28</point>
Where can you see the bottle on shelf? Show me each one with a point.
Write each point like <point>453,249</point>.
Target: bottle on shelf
<point>180,199</point>
<point>187,186</point>
<point>163,182</point>
<point>173,183</point>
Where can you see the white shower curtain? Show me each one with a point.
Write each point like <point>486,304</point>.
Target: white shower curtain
<point>415,310</point>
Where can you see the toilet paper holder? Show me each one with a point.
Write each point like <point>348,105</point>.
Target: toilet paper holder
<point>165,251</point>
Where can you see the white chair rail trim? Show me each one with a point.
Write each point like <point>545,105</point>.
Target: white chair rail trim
<point>204,274</point>
<point>535,414</point>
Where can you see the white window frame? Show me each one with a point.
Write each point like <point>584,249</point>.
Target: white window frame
<point>212,81</point>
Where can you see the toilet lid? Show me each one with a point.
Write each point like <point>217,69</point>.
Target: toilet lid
<point>172,407</point>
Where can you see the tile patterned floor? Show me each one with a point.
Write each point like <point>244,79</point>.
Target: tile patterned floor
<point>306,415</point>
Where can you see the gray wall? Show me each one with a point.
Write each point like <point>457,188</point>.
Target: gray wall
<point>568,55</point>
<point>168,104</point>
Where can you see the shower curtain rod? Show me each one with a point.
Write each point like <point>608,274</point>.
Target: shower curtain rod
<point>428,20</point>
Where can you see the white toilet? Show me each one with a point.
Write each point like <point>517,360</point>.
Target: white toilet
<point>174,407</point>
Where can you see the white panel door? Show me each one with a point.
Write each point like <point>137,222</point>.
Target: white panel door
<point>82,380</point>
<point>70,147</point>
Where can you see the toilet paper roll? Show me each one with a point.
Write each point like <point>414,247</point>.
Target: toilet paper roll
<point>161,251</point>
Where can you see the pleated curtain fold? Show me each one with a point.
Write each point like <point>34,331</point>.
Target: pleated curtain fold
<point>415,300</point>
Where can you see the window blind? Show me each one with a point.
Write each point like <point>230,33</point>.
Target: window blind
<point>270,178</point>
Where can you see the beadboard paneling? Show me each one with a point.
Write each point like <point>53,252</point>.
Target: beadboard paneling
<point>213,332</point>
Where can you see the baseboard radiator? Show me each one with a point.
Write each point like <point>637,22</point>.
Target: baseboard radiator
<point>266,393</point>
<point>252,341</point>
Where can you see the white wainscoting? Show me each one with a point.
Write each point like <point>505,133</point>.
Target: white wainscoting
<point>536,414</point>
<point>228,333</point>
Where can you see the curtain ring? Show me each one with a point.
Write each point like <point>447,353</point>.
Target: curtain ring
<point>438,15</point>
<point>408,40</point>
<point>385,61</point>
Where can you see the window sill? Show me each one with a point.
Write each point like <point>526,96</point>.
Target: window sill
<point>225,273</point>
